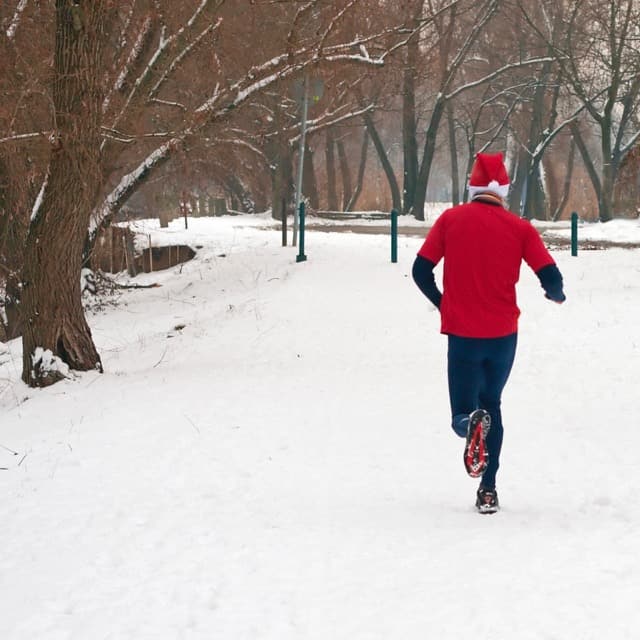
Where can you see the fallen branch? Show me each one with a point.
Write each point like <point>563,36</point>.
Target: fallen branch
<point>11,451</point>
<point>136,286</point>
<point>164,353</point>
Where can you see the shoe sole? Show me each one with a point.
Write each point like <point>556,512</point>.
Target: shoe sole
<point>483,508</point>
<point>476,456</point>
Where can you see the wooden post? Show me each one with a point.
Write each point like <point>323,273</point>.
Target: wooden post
<point>111,249</point>
<point>185,209</point>
<point>129,253</point>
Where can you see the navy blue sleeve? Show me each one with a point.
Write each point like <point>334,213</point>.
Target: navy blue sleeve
<point>423,276</point>
<point>551,281</point>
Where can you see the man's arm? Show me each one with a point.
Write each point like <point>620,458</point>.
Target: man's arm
<point>551,281</point>
<point>423,276</point>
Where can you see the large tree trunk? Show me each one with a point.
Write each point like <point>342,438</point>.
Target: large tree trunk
<point>588,163</point>
<point>55,327</point>
<point>427,159</point>
<point>19,185</point>
<point>535,201</point>
<point>238,192</point>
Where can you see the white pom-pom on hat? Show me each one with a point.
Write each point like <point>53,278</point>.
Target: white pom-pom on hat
<point>489,175</point>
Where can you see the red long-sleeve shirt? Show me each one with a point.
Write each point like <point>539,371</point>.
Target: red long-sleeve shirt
<point>483,246</point>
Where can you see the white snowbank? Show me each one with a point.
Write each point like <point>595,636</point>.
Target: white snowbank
<point>268,455</point>
<point>612,231</point>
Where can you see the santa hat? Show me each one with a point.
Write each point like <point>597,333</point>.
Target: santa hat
<point>489,175</point>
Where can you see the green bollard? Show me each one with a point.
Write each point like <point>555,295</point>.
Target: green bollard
<point>394,235</point>
<point>574,234</point>
<point>301,257</point>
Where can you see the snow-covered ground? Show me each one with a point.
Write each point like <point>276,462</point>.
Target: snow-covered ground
<point>268,456</point>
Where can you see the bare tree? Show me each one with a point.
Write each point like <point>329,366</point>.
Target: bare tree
<point>54,321</point>
<point>117,119</point>
<point>600,63</point>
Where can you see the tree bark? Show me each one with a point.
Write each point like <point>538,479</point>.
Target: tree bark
<point>557,214</point>
<point>453,151</point>
<point>15,196</point>
<point>280,158</point>
<point>309,182</point>
<point>587,161</point>
<point>384,160</point>
<point>239,194</point>
<point>330,161</point>
<point>361,169</point>
<point>427,159</point>
<point>345,172</point>
<point>55,326</point>
<point>409,127</point>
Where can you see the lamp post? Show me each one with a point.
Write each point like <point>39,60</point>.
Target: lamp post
<point>302,90</point>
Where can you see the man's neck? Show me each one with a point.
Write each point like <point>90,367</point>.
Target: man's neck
<point>488,198</point>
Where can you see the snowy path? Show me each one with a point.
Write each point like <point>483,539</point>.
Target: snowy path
<point>282,467</point>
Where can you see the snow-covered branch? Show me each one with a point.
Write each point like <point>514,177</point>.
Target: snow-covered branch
<point>355,57</point>
<point>168,103</point>
<point>332,25</point>
<point>23,136</point>
<point>130,182</point>
<point>313,126</point>
<point>15,21</point>
<point>180,57</point>
<point>630,143</point>
<point>239,142</point>
<point>296,20</point>
<point>125,25</point>
<point>461,55</point>
<point>38,202</point>
<point>125,138</point>
<point>495,74</point>
<point>239,94</point>
<point>134,55</point>
<point>164,43</point>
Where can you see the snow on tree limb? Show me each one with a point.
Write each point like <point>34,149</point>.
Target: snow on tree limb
<point>180,57</point>
<point>38,203</point>
<point>223,98</point>
<point>333,23</point>
<point>217,106</point>
<point>22,136</point>
<point>164,43</point>
<point>495,74</point>
<point>126,23</point>
<point>134,55</point>
<point>15,21</point>
<point>130,182</point>
<point>355,57</point>
<point>329,120</point>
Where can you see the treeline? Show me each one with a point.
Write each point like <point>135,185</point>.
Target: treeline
<point>106,102</point>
